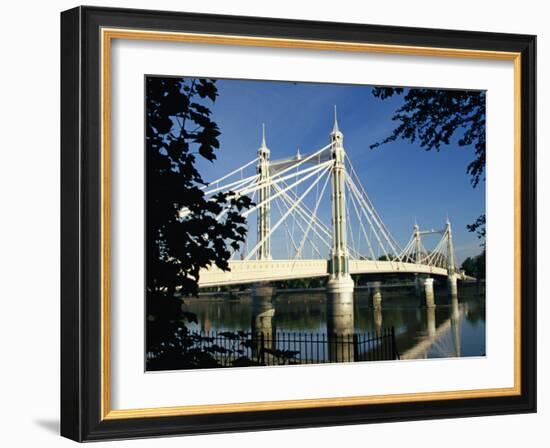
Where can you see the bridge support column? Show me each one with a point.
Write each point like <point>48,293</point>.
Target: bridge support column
<point>262,325</point>
<point>430,322</point>
<point>264,208</point>
<point>342,284</point>
<point>429,297</point>
<point>340,326</point>
<point>340,280</point>
<point>418,260</point>
<point>452,277</point>
<point>378,319</point>
<point>376,294</point>
<point>452,285</point>
<point>455,308</point>
<point>455,325</point>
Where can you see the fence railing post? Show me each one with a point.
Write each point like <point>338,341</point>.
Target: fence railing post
<point>368,346</point>
<point>394,344</point>
<point>262,352</point>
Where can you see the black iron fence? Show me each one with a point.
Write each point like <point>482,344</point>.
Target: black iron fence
<point>231,349</point>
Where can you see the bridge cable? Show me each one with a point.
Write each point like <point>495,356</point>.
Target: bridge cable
<point>366,213</point>
<point>326,168</point>
<point>300,213</point>
<point>307,212</point>
<point>313,216</point>
<point>361,225</point>
<point>354,173</point>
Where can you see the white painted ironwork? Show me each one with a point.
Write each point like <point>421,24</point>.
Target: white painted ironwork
<point>356,241</point>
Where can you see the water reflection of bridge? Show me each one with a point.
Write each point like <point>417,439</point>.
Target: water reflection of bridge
<point>290,317</point>
<point>340,323</point>
<point>441,341</point>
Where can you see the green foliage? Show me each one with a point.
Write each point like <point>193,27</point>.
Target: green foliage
<point>189,350</point>
<point>182,232</point>
<point>300,283</point>
<point>479,228</point>
<point>181,350</point>
<point>178,128</point>
<point>433,117</point>
<point>475,266</point>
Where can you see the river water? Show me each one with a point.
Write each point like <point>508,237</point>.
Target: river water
<point>455,327</point>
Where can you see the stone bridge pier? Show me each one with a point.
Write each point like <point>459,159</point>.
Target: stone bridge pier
<point>455,325</point>
<point>263,313</point>
<point>430,322</point>
<point>429,296</point>
<point>452,284</point>
<point>375,293</point>
<point>340,326</point>
<point>377,315</point>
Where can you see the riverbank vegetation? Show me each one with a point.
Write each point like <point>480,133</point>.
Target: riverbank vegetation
<point>475,266</point>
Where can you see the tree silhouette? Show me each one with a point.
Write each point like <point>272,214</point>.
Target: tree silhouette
<point>475,266</point>
<point>433,117</point>
<point>184,230</point>
<point>178,128</point>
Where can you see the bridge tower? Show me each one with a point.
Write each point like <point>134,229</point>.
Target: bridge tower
<point>339,279</point>
<point>452,277</point>
<point>264,219</point>
<point>417,260</point>
<point>417,244</point>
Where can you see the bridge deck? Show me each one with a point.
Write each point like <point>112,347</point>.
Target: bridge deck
<point>273,270</point>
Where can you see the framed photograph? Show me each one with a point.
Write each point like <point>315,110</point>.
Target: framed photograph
<point>276,224</point>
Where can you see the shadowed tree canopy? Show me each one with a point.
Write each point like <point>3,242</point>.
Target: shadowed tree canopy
<point>432,117</point>
<point>179,129</point>
<point>478,226</point>
<point>183,232</point>
<point>475,266</point>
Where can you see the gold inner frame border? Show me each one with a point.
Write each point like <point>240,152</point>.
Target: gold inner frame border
<point>107,35</point>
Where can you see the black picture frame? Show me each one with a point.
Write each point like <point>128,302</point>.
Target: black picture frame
<point>81,209</point>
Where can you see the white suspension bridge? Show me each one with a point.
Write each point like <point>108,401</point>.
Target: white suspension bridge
<point>291,212</point>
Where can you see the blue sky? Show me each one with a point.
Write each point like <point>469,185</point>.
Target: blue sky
<point>405,182</point>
